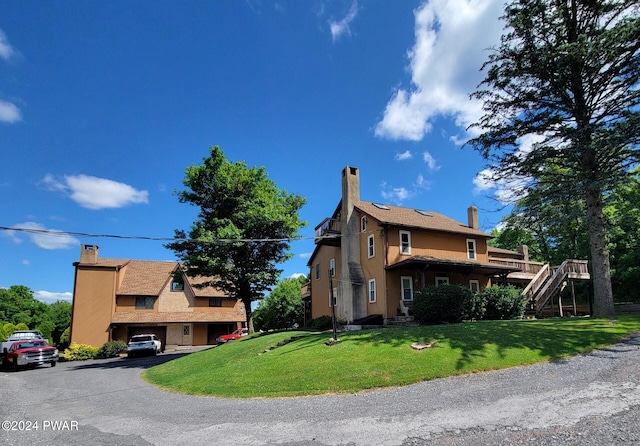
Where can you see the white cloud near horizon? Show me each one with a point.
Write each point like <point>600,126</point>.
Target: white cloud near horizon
<point>41,236</point>
<point>451,42</point>
<point>96,193</point>
<point>49,297</point>
<point>340,27</point>
<point>9,112</point>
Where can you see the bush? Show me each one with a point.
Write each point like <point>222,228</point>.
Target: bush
<point>78,352</point>
<point>503,302</point>
<point>324,323</point>
<point>447,303</point>
<point>112,349</point>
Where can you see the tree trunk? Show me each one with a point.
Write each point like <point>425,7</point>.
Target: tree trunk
<point>602,292</point>
<point>249,314</point>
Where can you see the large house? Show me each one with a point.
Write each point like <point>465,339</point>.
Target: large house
<point>372,257</point>
<point>114,299</point>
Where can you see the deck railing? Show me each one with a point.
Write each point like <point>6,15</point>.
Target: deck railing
<point>526,267</point>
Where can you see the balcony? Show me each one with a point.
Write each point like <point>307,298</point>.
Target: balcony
<point>528,269</point>
<point>328,232</point>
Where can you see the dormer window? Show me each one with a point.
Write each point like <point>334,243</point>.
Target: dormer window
<point>177,284</point>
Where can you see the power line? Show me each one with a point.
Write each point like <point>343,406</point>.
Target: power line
<point>56,233</point>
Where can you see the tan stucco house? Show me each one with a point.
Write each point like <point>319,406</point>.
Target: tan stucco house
<point>114,299</point>
<point>374,256</point>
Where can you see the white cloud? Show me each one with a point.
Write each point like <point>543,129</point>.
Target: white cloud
<point>430,160</point>
<point>41,236</point>
<point>6,50</point>
<point>305,255</point>
<point>9,112</point>
<point>49,297</point>
<point>297,275</point>
<point>451,39</point>
<point>340,27</point>
<point>396,195</point>
<point>96,193</point>
<point>421,183</point>
<point>404,156</point>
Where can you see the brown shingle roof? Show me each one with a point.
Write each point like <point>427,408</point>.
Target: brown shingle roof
<point>203,292</point>
<point>146,277</point>
<point>408,217</point>
<point>109,263</point>
<point>131,317</point>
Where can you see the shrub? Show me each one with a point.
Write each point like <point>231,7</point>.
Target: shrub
<point>446,303</point>
<point>324,323</point>
<point>77,352</point>
<point>112,349</point>
<point>503,302</point>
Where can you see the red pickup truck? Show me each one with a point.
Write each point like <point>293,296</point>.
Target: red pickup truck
<point>31,352</point>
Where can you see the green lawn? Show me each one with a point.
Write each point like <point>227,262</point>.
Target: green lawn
<point>380,358</point>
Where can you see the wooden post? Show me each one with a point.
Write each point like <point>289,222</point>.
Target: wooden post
<point>573,295</point>
<point>560,303</point>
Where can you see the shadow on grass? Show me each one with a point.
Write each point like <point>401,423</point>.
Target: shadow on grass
<point>553,339</point>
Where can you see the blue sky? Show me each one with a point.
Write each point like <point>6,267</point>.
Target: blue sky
<point>104,104</point>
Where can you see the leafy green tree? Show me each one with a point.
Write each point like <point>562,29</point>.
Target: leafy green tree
<point>17,305</point>
<point>242,231</point>
<point>59,315</point>
<point>565,76</point>
<point>283,307</point>
<point>623,215</point>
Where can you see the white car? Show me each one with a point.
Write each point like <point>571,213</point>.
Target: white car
<point>144,343</point>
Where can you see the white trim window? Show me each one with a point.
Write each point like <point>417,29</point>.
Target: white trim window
<point>371,250</point>
<point>474,285</point>
<point>363,224</point>
<point>372,290</point>
<point>332,267</point>
<point>317,271</point>
<point>442,280</point>
<point>405,242</point>
<point>407,287</point>
<point>471,249</point>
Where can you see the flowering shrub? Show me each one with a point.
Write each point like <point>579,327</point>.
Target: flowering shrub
<point>78,352</point>
<point>112,349</point>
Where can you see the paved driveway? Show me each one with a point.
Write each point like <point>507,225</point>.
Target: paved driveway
<point>590,399</point>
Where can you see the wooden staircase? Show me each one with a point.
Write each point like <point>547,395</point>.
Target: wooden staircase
<point>551,280</point>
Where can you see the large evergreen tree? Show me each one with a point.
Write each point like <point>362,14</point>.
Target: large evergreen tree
<point>243,228</point>
<point>566,76</point>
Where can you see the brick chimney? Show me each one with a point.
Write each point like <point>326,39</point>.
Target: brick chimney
<point>472,215</point>
<point>352,302</point>
<point>89,254</point>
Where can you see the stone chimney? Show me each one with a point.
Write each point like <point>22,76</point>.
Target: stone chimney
<point>352,302</point>
<point>89,254</point>
<point>472,215</point>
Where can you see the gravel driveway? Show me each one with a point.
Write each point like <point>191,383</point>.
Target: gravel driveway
<point>592,399</point>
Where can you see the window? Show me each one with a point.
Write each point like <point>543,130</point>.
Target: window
<point>186,329</point>
<point>372,290</point>
<point>215,301</point>
<point>442,281</point>
<point>335,296</point>
<point>474,285</point>
<point>145,302</point>
<point>471,249</point>
<point>317,271</point>
<point>363,224</point>
<point>405,242</point>
<point>407,287</point>
<point>370,246</point>
<point>332,267</point>
<point>177,284</point>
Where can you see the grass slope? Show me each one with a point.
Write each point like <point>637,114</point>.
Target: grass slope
<point>379,358</point>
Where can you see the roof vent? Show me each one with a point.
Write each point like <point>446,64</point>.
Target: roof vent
<point>425,213</point>
<point>381,206</point>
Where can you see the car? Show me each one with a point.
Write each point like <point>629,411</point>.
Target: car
<point>30,352</point>
<point>19,335</point>
<point>145,344</point>
<point>240,332</point>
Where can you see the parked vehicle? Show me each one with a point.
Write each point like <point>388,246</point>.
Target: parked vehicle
<point>18,335</point>
<point>31,352</point>
<point>240,332</point>
<point>144,344</point>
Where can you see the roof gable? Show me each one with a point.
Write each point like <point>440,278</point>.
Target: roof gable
<point>146,277</point>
